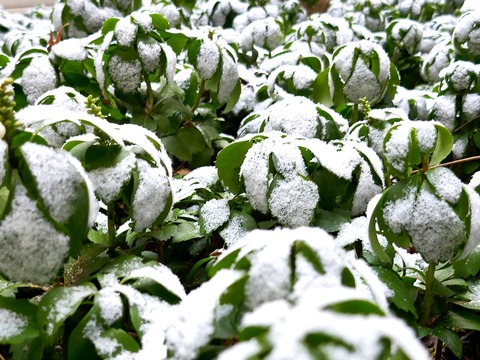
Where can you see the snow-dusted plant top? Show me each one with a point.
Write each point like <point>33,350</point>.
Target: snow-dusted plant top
<point>240,179</point>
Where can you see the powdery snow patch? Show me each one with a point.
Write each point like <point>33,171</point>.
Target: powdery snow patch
<point>125,32</point>
<point>214,213</point>
<point>162,275</point>
<point>149,54</point>
<point>70,49</point>
<point>444,111</point>
<point>11,323</point>
<point>3,160</point>
<point>208,59</point>
<point>62,307</point>
<point>151,195</point>
<point>109,182</point>
<point>254,172</point>
<point>229,78</point>
<point>110,305</point>
<point>58,180</point>
<point>32,249</point>
<point>446,184</point>
<point>294,116</point>
<point>127,75</point>
<point>37,78</point>
<point>235,230</point>
<point>206,176</point>
<point>190,328</point>
<point>293,201</point>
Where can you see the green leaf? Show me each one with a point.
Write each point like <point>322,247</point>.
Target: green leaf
<point>372,235</point>
<point>186,231</point>
<point>449,338</point>
<point>361,307</point>
<point>104,156</point>
<point>402,297</point>
<point>234,96</point>
<point>57,305</point>
<point>229,160</point>
<point>464,319</point>
<point>109,25</point>
<point>122,338</point>
<point>159,22</point>
<point>185,143</point>
<point>468,266</point>
<point>443,145</point>
<point>31,349</point>
<point>330,221</point>
<point>321,90</point>
<point>18,321</point>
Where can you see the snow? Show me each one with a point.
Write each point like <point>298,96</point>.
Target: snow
<point>397,147</point>
<point>106,347</point>
<point>3,160</point>
<point>359,79</point>
<point>366,189</point>
<point>151,196</point>
<point>351,336</point>
<point>149,54</point>
<point>70,49</point>
<point>471,106</point>
<point>352,231</point>
<point>254,172</point>
<point>110,305</point>
<point>45,164</point>
<point>296,116</point>
<point>229,77</point>
<point>126,75</point>
<point>144,20</point>
<point>444,111</point>
<point>214,213</point>
<point>270,272</point>
<point>446,184</point>
<point>436,60</point>
<point>162,275</point>
<point>461,75</point>
<point>208,59</point>
<point>265,33</point>
<point>109,182</point>
<point>125,32</point>
<point>474,237</point>
<point>63,305</point>
<point>241,351</point>
<point>435,229</point>
<point>32,249</point>
<point>98,59</point>
<point>293,201</point>
<point>235,229</point>
<point>93,17</point>
<point>467,32</point>
<point>407,33</point>
<point>11,324</point>
<point>206,176</point>
<point>171,59</point>
<point>338,159</point>
<point>190,328</point>
<point>38,78</point>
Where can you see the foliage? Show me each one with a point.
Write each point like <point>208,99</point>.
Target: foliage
<point>232,179</point>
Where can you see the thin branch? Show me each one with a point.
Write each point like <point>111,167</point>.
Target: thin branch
<point>459,161</point>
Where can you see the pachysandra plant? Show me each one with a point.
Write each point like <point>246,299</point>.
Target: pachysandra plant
<point>47,205</point>
<point>359,70</point>
<point>277,171</point>
<point>195,122</point>
<point>303,271</point>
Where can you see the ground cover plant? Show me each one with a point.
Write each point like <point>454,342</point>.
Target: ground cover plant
<point>221,179</point>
